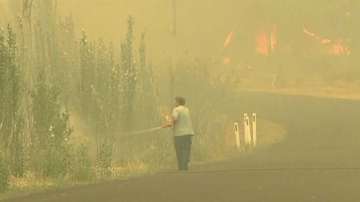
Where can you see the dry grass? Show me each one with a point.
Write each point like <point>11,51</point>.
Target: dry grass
<point>268,133</point>
<point>338,89</point>
<point>207,150</point>
<point>130,169</point>
<point>30,181</point>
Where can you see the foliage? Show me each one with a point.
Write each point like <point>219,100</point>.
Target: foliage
<point>51,130</point>
<point>4,176</point>
<point>104,159</point>
<point>47,75</point>
<point>11,92</point>
<point>128,76</point>
<point>81,167</point>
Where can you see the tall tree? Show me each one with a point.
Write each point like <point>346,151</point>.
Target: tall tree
<point>51,130</point>
<point>128,76</point>
<point>146,102</point>
<point>11,92</point>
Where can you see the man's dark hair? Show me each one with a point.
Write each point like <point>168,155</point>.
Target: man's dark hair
<point>180,100</point>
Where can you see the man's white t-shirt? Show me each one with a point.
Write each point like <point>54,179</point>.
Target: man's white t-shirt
<point>182,119</point>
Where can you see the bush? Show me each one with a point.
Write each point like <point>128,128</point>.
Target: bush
<point>4,176</point>
<point>104,160</point>
<point>81,165</point>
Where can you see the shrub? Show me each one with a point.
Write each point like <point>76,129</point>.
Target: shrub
<point>81,169</point>
<point>4,176</point>
<point>104,159</point>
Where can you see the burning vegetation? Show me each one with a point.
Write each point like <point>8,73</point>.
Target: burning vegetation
<point>67,98</point>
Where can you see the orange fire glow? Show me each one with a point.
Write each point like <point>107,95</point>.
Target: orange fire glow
<point>273,38</point>
<point>227,60</point>
<point>339,48</point>
<point>229,39</point>
<point>266,42</point>
<point>336,48</point>
<point>263,44</point>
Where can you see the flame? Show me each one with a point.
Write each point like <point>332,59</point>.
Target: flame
<point>229,39</point>
<point>273,38</point>
<point>263,43</point>
<point>326,41</point>
<point>267,41</point>
<point>317,37</point>
<point>336,48</point>
<point>307,32</point>
<point>227,60</point>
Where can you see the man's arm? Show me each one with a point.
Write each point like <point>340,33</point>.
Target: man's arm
<point>171,120</point>
<point>168,125</point>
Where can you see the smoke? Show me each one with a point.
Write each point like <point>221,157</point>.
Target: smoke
<point>9,9</point>
<point>4,11</point>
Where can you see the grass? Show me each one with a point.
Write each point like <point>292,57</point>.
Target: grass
<point>31,183</point>
<point>269,133</point>
<point>336,89</point>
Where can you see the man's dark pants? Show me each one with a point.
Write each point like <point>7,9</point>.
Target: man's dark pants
<point>183,151</point>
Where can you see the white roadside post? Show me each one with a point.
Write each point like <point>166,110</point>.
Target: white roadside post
<point>244,123</point>
<point>237,135</point>
<point>254,128</point>
<point>247,135</point>
<point>248,130</point>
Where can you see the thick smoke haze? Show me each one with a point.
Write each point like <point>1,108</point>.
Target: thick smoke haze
<point>94,90</point>
<point>202,26</point>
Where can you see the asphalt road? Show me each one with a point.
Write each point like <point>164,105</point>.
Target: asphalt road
<point>318,161</point>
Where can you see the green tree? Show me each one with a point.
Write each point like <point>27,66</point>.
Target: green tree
<point>51,130</point>
<point>87,75</point>
<point>11,93</point>
<point>146,98</point>
<point>128,76</point>
<point>4,175</point>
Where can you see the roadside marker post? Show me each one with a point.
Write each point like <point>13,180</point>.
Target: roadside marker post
<point>237,135</point>
<point>247,131</point>
<point>254,129</point>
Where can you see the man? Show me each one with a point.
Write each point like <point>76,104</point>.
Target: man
<point>183,132</point>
